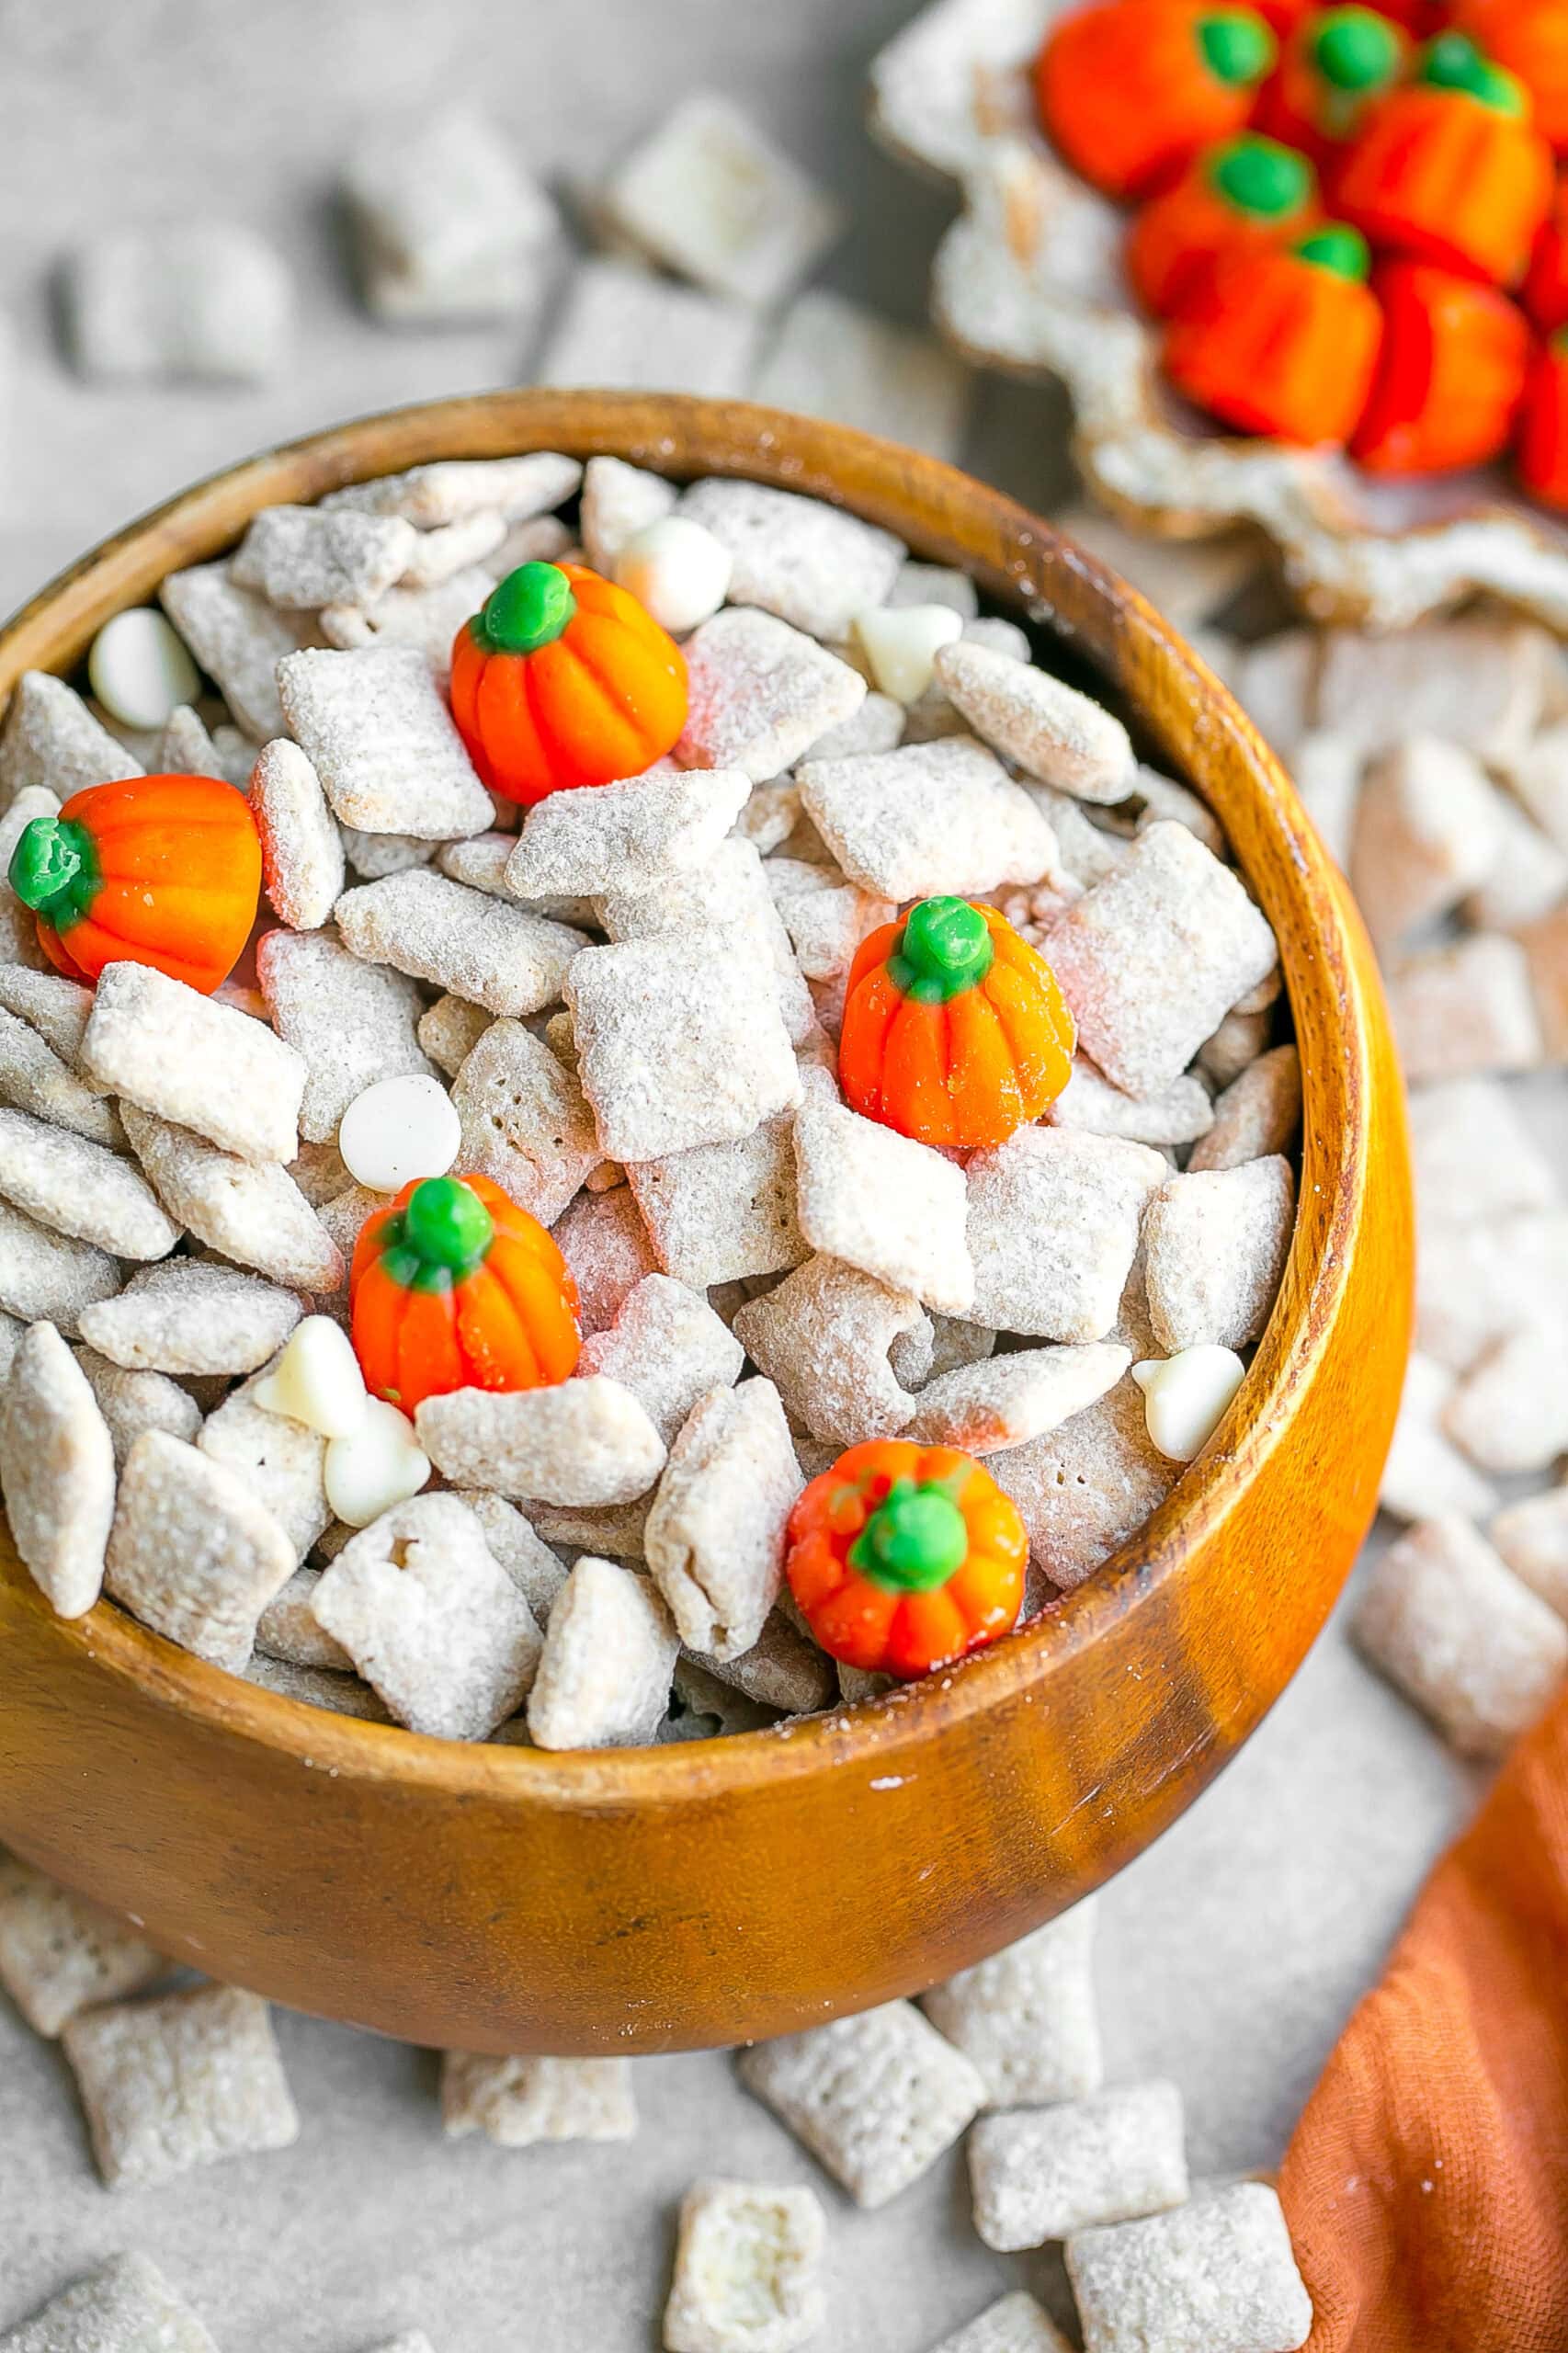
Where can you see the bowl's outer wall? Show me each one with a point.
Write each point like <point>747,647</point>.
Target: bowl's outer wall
<point>504,1899</point>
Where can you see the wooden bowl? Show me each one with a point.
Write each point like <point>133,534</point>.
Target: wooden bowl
<point>504,1899</point>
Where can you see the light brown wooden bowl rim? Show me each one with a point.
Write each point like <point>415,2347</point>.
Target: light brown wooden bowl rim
<point>876,479</point>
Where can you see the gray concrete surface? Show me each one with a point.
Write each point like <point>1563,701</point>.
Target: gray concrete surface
<point>1231,1953</point>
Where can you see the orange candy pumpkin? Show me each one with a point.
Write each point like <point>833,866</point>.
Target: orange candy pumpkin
<point>1336,65</point>
<point>163,870</point>
<point>563,679</point>
<point>1247,192</point>
<point>1451,375</point>
<point>955,1031</point>
<point>454,1287</point>
<point>1529,39</point>
<point>904,1557</point>
<point>1541,451</point>
<point>1132,90</point>
<point>1545,294</point>
<point>1450,170</point>
<point>1283,343</point>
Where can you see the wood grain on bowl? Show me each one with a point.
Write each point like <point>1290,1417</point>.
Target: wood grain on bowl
<point>504,1899</point>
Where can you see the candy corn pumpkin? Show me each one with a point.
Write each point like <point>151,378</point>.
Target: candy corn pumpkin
<point>1282,343</point>
<point>1545,294</point>
<point>955,1031</point>
<point>1450,170</point>
<point>1334,67</point>
<point>563,680</point>
<point>905,1557</point>
<point>1541,451</point>
<point>163,870</point>
<point>1131,90</point>
<point>454,1287</point>
<point>1247,192</point>
<point>1450,377</point>
<point>1529,40</point>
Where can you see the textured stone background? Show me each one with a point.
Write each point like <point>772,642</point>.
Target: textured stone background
<point>1231,1953</point>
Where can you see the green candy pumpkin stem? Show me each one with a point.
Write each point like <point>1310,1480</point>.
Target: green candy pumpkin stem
<point>1452,61</point>
<point>442,1237</point>
<point>945,948</point>
<point>532,607</point>
<point>913,1541</point>
<point>1262,178</point>
<point>54,870</point>
<point>1356,51</point>
<point>1238,44</point>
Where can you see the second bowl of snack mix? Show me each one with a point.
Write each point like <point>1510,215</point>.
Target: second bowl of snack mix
<point>641,1134</point>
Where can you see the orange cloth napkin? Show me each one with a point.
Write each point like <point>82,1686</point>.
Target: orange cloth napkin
<point>1427,2187</point>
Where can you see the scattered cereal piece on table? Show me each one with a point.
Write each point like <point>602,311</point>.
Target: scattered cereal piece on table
<point>465,941</point>
<point>1509,1412</point>
<point>1015,2324</point>
<point>1460,1636</point>
<point>1027,2018</point>
<point>1057,735</point>
<point>1215,1245</point>
<point>628,328</point>
<point>302,849</point>
<point>832,357</point>
<point>928,818</point>
<point>80,1188</point>
<point>184,2080</point>
<point>609,1652</point>
<point>353,1022</point>
<point>56,1471</point>
<point>206,300</point>
<point>192,1554</point>
<point>1008,1399</point>
<point>34,1079</point>
<point>1545,944</point>
<point>1477,682</point>
<point>722,1212</point>
<point>50,738</point>
<point>431,1620</point>
<point>1532,1538</point>
<point>809,564</point>
<point>1426,1474</point>
<point>1053,1228</point>
<point>623,837</point>
<point>760,694</point>
<point>1218,2276</point>
<point>125,2307</point>
<point>525,1124</point>
<point>282,1461</point>
<point>1179,1113</point>
<point>288,1628</point>
<point>59,1954</point>
<point>45,1276</point>
<point>668,1347</point>
<point>822,1338</point>
<point>879,1201</point>
<point>304,557</point>
<point>1527,877</point>
<point>1153,957</point>
<point>239,639</point>
<point>187,1317</point>
<point>1256,1116</point>
<point>167,1050</point>
<point>518,2102</point>
<point>1040,2173</point>
<point>1426,833</point>
<point>680,1042</point>
<point>715,1530</point>
<point>249,1210</point>
<point>1465,1011</point>
<point>875,2098</point>
<point>449,226</point>
<point>617,502</point>
<point>747,2269</point>
<point>587,1440</point>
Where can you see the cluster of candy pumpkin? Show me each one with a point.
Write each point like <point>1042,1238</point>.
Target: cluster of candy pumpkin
<point>955,1033</point>
<point>1350,219</point>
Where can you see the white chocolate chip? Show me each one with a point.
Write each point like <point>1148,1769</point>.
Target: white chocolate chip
<point>1185,1397</point>
<point>677,569</point>
<point>397,1130</point>
<point>140,670</point>
<point>316,1380</point>
<point>376,1466</point>
<point>902,643</point>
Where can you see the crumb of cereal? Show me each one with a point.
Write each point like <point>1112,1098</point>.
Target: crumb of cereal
<point>180,2081</point>
<point>518,2102</point>
<point>747,2269</point>
<point>875,2098</point>
<point>124,2307</point>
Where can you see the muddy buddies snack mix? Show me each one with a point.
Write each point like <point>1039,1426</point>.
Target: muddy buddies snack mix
<point>741,1129</point>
